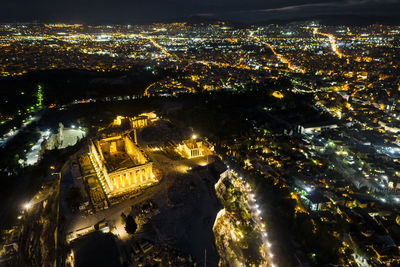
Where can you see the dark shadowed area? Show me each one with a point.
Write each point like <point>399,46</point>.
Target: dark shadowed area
<point>132,12</point>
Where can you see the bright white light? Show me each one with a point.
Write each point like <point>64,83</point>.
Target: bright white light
<point>73,126</point>
<point>308,189</point>
<point>194,136</point>
<point>268,244</point>
<point>271,255</point>
<point>27,206</point>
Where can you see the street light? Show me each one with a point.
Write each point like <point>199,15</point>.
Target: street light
<point>194,136</point>
<point>27,206</point>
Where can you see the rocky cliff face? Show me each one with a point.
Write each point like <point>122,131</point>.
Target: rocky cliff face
<point>226,241</point>
<point>237,234</point>
<point>227,238</point>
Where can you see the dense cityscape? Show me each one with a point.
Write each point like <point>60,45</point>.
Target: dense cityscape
<point>199,143</point>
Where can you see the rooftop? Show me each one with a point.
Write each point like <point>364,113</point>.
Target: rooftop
<point>119,160</point>
<point>193,143</point>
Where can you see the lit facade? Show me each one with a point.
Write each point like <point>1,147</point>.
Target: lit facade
<point>193,148</point>
<point>140,121</point>
<point>121,165</point>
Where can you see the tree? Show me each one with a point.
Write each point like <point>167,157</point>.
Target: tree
<point>130,224</point>
<point>74,197</point>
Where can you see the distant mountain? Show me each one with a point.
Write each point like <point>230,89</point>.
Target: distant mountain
<point>340,19</point>
<point>329,19</point>
<point>325,19</point>
<point>196,20</point>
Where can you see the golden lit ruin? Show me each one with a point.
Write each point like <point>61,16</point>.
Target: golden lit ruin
<point>121,165</point>
<point>193,148</point>
<point>140,121</point>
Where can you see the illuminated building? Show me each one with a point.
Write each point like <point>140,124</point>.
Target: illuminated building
<point>277,94</point>
<point>193,148</point>
<point>120,164</point>
<point>140,121</point>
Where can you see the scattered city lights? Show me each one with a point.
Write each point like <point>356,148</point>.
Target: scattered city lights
<point>306,114</point>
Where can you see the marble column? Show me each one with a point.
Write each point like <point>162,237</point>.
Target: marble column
<point>110,184</point>
<point>144,175</point>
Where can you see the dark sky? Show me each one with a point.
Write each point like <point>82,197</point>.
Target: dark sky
<point>138,11</point>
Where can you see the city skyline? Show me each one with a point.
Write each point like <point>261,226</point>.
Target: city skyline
<point>198,141</point>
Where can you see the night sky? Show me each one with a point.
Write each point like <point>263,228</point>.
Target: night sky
<point>141,11</point>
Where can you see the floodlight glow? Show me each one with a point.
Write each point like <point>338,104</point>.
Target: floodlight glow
<point>27,206</point>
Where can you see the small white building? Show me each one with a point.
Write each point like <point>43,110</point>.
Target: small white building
<point>193,148</point>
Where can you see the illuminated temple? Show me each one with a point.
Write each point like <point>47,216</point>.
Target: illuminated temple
<point>121,165</point>
<point>193,148</point>
<point>140,121</point>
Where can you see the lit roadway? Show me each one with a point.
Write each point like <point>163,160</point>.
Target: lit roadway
<point>255,212</point>
<point>208,63</point>
<point>157,45</point>
<point>12,133</point>
<point>332,40</point>
<point>147,89</point>
<point>282,58</point>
